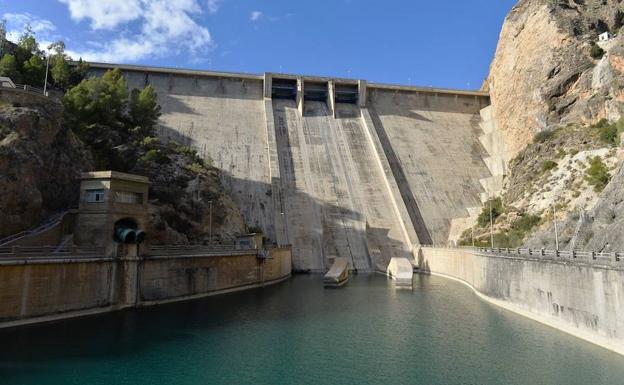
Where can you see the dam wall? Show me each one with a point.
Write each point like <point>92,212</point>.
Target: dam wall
<point>337,168</point>
<point>223,118</point>
<point>583,298</point>
<point>431,141</point>
<point>48,288</point>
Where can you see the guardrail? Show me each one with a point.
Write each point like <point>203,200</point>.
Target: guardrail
<point>570,255</point>
<point>50,251</point>
<point>557,254</point>
<point>167,250</point>
<point>46,225</point>
<point>31,89</point>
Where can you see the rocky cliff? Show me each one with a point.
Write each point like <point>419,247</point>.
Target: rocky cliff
<point>557,93</point>
<point>547,73</point>
<point>40,162</point>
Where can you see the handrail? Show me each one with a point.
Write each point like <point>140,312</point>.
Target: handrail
<point>46,225</point>
<point>160,250</point>
<point>50,251</point>
<point>572,255</point>
<point>31,89</point>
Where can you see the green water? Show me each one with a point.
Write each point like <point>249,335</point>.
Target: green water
<point>299,333</point>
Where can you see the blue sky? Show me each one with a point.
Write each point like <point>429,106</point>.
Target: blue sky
<point>443,43</point>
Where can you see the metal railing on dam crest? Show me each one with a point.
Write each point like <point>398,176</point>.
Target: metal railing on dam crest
<point>611,259</point>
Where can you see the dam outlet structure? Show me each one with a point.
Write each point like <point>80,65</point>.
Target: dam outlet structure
<point>336,168</point>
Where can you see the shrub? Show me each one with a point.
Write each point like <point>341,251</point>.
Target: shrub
<point>560,154</point>
<point>609,132</point>
<point>596,52</point>
<point>150,142</point>
<point>155,155</point>
<point>526,222</point>
<point>544,136</point>
<point>597,174</point>
<point>196,167</point>
<point>548,165</point>
<point>497,209</point>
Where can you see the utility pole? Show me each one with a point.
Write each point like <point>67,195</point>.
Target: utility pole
<point>472,235</point>
<point>556,233</point>
<point>491,226</point>
<point>210,223</point>
<point>45,82</point>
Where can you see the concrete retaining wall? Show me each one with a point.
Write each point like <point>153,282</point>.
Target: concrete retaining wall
<point>583,299</point>
<point>39,290</point>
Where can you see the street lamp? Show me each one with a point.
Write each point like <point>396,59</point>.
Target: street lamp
<point>556,233</point>
<point>210,223</point>
<point>45,82</point>
<point>491,225</point>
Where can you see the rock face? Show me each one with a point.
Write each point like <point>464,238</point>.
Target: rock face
<point>543,74</point>
<point>40,164</point>
<point>599,229</point>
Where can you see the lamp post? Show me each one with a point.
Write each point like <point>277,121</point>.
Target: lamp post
<point>556,233</point>
<point>45,82</point>
<point>210,223</point>
<point>491,226</point>
<point>472,235</point>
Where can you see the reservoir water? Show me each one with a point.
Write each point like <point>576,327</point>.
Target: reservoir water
<point>299,333</point>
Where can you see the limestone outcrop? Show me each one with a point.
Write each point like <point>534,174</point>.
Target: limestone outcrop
<point>41,160</point>
<point>40,164</point>
<point>544,74</point>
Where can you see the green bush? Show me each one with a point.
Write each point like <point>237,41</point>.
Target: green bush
<point>548,165</point>
<point>596,52</point>
<point>497,209</point>
<point>155,155</point>
<point>597,174</point>
<point>560,154</point>
<point>150,142</point>
<point>609,132</point>
<point>544,136</point>
<point>196,167</point>
<point>526,222</point>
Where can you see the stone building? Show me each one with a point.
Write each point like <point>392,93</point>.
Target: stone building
<point>112,211</point>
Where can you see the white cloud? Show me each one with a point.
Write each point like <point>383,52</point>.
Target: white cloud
<point>213,6</point>
<point>104,14</point>
<point>255,16</point>
<point>164,27</point>
<point>17,22</point>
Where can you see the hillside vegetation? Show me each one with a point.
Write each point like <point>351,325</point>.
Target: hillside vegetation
<point>100,125</point>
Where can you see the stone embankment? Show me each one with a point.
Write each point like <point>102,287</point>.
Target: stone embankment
<point>579,293</point>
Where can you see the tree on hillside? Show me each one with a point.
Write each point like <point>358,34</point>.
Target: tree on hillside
<point>33,71</point>
<point>27,46</point>
<point>113,124</point>
<point>8,67</point>
<point>2,37</point>
<point>97,100</point>
<point>144,110</point>
<point>59,68</point>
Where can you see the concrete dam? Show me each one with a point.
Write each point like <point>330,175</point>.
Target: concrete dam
<point>337,168</point>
